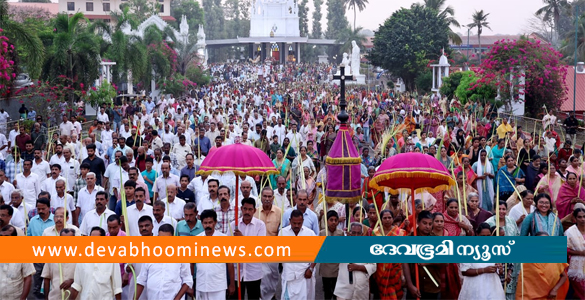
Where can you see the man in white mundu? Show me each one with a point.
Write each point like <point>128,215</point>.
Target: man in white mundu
<point>298,281</point>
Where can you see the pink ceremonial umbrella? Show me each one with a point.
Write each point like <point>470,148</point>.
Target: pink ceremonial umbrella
<point>412,171</point>
<point>241,160</point>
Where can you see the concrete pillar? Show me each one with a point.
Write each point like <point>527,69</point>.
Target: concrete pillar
<point>129,81</point>
<point>434,86</point>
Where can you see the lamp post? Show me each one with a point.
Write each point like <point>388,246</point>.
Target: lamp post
<point>468,29</point>
<point>576,42</point>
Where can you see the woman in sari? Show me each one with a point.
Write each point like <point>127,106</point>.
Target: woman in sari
<point>576,248</point>
<point>445,159</point>
<point>388,276</point>
<point>510,229</point>
<point>307,182</point>
<point>313,154</point>
<point>569,195</point>
<point>475,214</point>
<point>508,177</point>
<point>543,219</point>
<point>575,166</point>
<point>497,153</point>
<point>485,181</point>
<point>283,166</point>
<point>327,140</point>
<point>465,167</point>
<point>543,280</point>
<point>456,224</point>
<point>550,184</point>
<point>304,160</point>
<point>450,283</point>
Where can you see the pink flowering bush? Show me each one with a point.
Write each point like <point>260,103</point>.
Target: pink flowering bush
<point>545,74</point>
<point>7,68</point>
<point>102,95</point>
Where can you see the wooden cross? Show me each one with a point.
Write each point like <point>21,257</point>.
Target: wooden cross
<point>342,77</point>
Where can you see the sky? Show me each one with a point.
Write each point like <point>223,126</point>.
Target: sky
<point>506,16</point>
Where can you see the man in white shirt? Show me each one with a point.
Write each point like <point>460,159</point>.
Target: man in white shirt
<point>49,184</point>
<point>17,202</point>
<point>250,273</point>
<point>58,157</point>
<point>98,216</point>
<point>212,198</point>
<point>160,218</point>
<point>281,194</point>
<point>62,199</point>
<point>6,188</point>
<point>11,216</point>
<point>3,144</point>
<point>61,220</point>
<point>298,281</point>
<point>212,278</point>
<point>28,182</point>
<point>4,117</point>
<point>107,136</point>
<point>295,138</point>
<point>86,198</point>
<point>280,131</point>
<point>70,169</point>
<point>173,204</point>
<point>160,185</point>
<point>181,150</point>
<point>66,127</point>
<point>40,166</point>
<point>199,186</point>
<point>102,116</point>
<point>161,281</point>
<point>97,281</point>
<point>136,211</point>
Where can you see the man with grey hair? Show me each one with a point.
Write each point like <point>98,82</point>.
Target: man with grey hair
<point>86,198</point>
<point>166,178</point>
<point>70,169</point>
<point>16,201</point>
<point>62,199</point>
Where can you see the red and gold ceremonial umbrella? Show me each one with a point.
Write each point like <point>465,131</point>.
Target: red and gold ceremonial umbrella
<point>412,171</point>
<point>241,160</point>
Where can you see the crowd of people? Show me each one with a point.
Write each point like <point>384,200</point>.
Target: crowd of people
<point>71,181</point>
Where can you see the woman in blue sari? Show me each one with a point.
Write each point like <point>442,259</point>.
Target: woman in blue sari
<point>508,177</point>
<point>497,152</point>
<point>543,219</point>
<point>282,165</point>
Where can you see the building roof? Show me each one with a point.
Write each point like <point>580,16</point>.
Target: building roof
<point>488,40</point>
<point>53,8</point>
<point>569,83</point>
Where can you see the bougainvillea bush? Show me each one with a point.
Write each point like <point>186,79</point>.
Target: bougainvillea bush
<point>545,74</point>
<point>6,65</point>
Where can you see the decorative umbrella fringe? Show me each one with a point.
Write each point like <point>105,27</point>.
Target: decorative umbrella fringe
<point>344,160</point>
<point>401,175</point>
<point>240,173</point>
<point>343,199</point>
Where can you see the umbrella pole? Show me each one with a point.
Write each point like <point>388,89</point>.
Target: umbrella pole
<point>414,214</point>
<point>236,220</point>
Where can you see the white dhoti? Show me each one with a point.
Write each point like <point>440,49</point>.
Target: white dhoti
<point>269,280</point>
<point>298,289</point>
<point>220,295</point>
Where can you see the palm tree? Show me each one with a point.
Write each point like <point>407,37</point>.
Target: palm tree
<point>447,14</point>
<point>20,36</point>
<point>127,51</point>
<point>349,35</point>
<point>359,4</point>
<point>75,50</point>
<point>568,50</point>
<point>479,21</point>
<point>552,10</point>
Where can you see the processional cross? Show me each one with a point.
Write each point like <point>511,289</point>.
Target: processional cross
<point>342,77</point>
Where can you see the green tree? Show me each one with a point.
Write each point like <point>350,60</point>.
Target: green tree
<point>214,25</point>
<point>355,5</point>
<point>127,51</point>
<point>24,39</point>
<point>424,82</point>
<point>317,30</point>
<point>142,9</point>
<point>304,17</point>
<point>568,48</point>
<point>472,87</point>
<point>448,14</point>
<point>407,40</point>
<point>479,22</point>
<point>337,24</point>
<point>552,11</point>
<point>450,84</point>
<point>74,52</point>
<point>349,35</point>
<point>189,8</point>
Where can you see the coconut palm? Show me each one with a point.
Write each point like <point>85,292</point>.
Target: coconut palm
<point>22,37</point>
<point>479,22</point>
<point>568,50</point>
<point>447,14</point>
<point>359,4</point>
<point>349,35</point>
<point>127,51</point>
<point>75,50</point>
<point>552,11</point>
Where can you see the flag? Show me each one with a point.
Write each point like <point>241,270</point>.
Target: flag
<point>380,74</point>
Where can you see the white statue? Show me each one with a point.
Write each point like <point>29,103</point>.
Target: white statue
<point>184,27</point>
<point>200,35</point>
<point>355,59</point>
<point>345,61</point>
